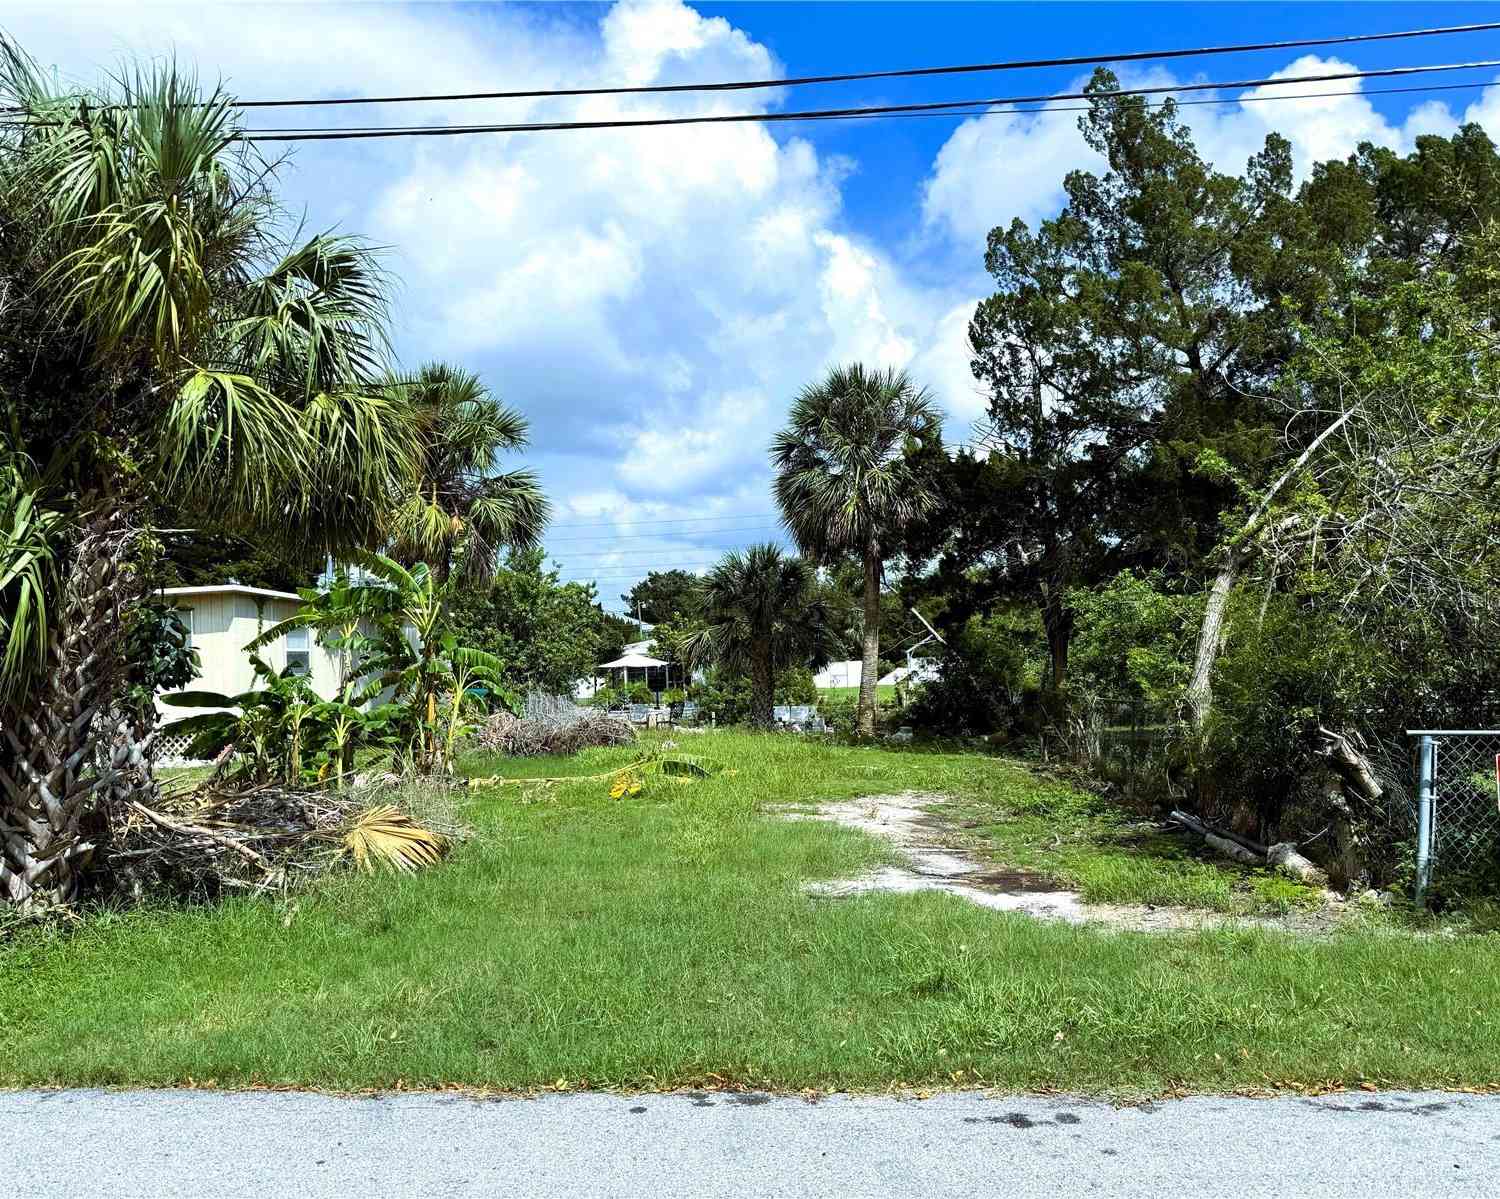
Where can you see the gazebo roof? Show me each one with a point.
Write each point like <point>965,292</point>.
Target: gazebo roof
<point>636,661</point>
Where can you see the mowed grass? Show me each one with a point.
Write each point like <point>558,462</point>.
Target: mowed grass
<point>883,692</point>
<point>666,941</point>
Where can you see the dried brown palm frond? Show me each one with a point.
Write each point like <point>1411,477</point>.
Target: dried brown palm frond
<point>385,836</point>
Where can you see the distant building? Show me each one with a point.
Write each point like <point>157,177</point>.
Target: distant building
<point>839,674</point>
<point>848,674</point>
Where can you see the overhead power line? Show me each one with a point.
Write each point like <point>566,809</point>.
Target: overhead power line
<point>1022,64</point>
<point>255,135</point>
<point>604,579</point>
<point>614,521</point>
<point>634,569</point>
<point>712,551</point>
<point>973,109</point>
<point>1220,100</point>
<point>663,534</point>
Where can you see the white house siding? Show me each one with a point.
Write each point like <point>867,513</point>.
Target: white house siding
<point>224,620</point>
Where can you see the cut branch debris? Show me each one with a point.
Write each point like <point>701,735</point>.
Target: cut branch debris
<point>1283,856</point>
<point>200,843</point>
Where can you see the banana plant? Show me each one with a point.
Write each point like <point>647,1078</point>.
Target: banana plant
<point>264,726</point>
<point>350,726</point>
<point>398,618</point>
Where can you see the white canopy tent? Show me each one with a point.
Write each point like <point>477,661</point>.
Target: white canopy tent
<point>632,662</point>
<point>635,661</point>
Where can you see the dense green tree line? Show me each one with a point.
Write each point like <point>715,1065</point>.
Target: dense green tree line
<point>1239,451</point>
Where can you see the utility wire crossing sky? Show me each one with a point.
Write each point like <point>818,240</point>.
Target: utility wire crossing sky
<point>652,303</point>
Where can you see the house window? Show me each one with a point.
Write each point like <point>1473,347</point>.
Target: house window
<point>299,651</point>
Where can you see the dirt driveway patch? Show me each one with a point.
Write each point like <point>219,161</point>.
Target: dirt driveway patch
<point>913,822</point>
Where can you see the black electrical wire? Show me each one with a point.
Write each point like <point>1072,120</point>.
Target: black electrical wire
<point>942,106</point>
<point>959,110</point>
<point>1010,112</point>
<point>663,534</point>
<point>1080,60</point>
<point>618,519</point>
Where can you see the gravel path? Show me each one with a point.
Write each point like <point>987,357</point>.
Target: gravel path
<point>208,1144</point>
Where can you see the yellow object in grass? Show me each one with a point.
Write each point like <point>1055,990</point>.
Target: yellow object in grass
<point>626,784</point>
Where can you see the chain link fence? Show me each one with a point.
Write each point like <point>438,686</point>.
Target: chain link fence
<point>1458,809</point>
<point>1126,742</point>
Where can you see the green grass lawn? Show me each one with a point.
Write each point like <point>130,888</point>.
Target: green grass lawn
<point>883,692</point>
<point>666,941</point>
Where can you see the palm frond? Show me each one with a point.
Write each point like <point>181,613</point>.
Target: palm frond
<point>227,439</point>
<point>29,542</point>
<point>317,319</point>
<point>387,837</point>
<point>457,510</point>
<point>843,481</point>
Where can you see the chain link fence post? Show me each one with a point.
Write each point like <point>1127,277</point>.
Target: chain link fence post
<point>1458,813</point>
<point>1426,789</point>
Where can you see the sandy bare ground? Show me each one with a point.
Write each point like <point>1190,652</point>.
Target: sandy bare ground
<point>913,823</point>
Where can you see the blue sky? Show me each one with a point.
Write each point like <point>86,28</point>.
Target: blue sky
<point>809,38</point>
<point>652,299</point>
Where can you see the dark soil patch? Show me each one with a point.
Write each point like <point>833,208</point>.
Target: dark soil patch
<point>1013,881</point>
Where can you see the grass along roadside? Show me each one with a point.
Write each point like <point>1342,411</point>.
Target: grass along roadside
<point>666,941</point>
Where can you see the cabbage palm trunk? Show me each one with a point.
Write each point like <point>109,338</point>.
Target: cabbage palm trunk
<point>49,771</point>
<point>869,666</point>
<point>157,333</point>
<point>763,684</point>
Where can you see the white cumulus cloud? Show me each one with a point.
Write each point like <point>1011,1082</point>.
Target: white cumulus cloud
<point>652,299</point>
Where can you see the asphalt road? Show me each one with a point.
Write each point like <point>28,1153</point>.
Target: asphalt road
<point>204,1144</point>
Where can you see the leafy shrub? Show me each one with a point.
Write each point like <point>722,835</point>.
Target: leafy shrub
<point>841,713</point>
<point>795,686</point>
<point>614,697</point>
<point>1133,638</point>
<point>985,685</point>
<point>725,697</point>
<point>158,653</point>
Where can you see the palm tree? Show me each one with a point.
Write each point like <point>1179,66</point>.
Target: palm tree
<point>164,329</point>
<point>461,511</point>
<point>764,612</point>
<point>845,485</point>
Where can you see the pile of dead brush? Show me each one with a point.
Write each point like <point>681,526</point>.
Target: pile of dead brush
<point>222,838</point>
<point>519,737</point>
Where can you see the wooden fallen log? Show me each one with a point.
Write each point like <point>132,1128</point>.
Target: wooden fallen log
<point>1282,856</point>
